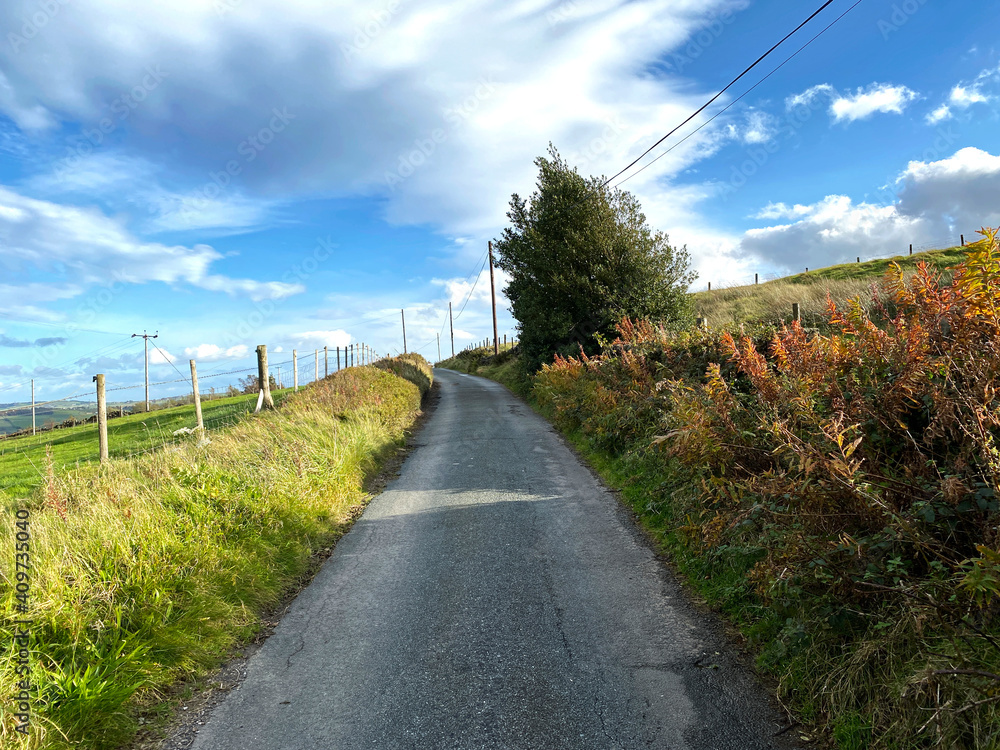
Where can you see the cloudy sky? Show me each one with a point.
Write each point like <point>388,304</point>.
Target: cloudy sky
<point>293,172</point>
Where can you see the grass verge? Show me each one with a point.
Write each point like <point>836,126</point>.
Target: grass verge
<point>149,571</point>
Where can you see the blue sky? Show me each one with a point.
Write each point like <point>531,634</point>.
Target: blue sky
<point>238,172</point>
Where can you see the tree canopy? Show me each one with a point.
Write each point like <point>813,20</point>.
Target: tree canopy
<point>580,257</point>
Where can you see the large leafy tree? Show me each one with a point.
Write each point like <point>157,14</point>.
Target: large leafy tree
<point>580,257</point>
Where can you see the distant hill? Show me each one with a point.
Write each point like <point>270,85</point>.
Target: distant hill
<point>772,300</point>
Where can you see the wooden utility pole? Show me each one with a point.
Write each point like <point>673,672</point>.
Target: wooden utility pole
<point>451,325</point>
<point>102,418</point>
<point>402,315</point>
<point>145,356</point>
<point>265,401</point>
<point>493,299</point>
<point>197,396</point>
<point>32,406</point>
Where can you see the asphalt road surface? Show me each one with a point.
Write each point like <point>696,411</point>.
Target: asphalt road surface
<point>494,596</point>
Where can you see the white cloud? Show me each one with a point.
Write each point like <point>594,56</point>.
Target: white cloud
<point>160,356</point>
<point>418,72</point>
<point>879,97</point>
<point>965,97</point>
<point>940,114</point>
<point>808,96</point>
<point>320,339</point>
<point>91,248</point>
<point>783,211</point>
<point>214,353</point>
<point>966,94</point>
<point>938,200</point>
<point>863,103</point>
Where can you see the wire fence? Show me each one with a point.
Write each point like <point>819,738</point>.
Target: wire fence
<point>748,280</point>
<point>230,396</point>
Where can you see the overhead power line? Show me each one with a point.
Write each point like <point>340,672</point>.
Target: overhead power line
<point>732,83</point>
<point>741,96</point>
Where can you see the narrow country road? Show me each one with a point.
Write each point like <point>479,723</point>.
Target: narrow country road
<point>494,596</point>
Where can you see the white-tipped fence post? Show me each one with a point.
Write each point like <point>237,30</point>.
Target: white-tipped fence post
<point>197,396</point>
<point>102,418</point>
<point>266,401</point>
<point>338,359</point>
<point>295,370</point>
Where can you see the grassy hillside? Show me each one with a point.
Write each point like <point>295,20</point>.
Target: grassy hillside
<point>23,460</point>
<point>146,572</point>
<point>772,300</point>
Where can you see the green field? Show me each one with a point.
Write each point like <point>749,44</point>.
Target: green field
<point>772,300</point>
<point>23,461</point>
<point>21,420</point>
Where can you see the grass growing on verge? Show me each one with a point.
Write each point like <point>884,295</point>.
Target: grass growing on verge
<point>149,570</point>
<point>23,459</point>
<point>505,367</point>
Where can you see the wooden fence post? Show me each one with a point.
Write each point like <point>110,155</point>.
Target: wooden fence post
<point>102,418</point>
<point>266,401</point>
<point>197,396</point>
<point>963,240</point>
<point>326,361</point>
<point>317,365</point>
<point>755,279</point>
<point>295,370</point>
<point>911,248</point>
<point>795,311</point>
<point>710,286</point>
<point>338,359</point>
<point>32,406</point>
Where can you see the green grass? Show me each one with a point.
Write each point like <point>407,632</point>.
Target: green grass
<point>23,459</point>
<point>772,300</point>
<point>505,368</point>
<point>147,571</point>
